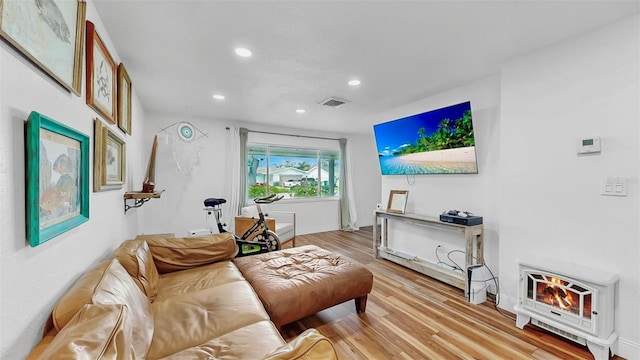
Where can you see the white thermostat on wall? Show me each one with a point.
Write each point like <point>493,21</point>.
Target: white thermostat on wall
<point>589,145</point>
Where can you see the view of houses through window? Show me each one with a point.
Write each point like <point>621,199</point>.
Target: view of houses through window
<point>292,172</point>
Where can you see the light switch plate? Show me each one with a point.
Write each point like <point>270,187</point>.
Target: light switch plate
<point>615,187</point>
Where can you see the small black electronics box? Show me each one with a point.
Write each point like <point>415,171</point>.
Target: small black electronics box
<point>468,220</point>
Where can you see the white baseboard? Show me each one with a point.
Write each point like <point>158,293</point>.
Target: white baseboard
<point>507,303</point>
<point>628,349</point>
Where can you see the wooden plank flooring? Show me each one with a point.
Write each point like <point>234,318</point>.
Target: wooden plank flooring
<point>411,316</point>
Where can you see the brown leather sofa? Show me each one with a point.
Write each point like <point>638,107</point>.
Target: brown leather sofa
<point>169,298</point>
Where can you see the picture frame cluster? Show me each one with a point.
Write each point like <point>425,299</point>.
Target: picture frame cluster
<point>58,156</point>
<point>109,94</point>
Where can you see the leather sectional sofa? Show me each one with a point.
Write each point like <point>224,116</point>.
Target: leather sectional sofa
<point>169,298</point>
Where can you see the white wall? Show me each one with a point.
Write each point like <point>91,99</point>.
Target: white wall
<point>550,203</point>
<point>366,176</point>
<point>32,279</point>
<point>430,195</point>
<point>537,196</point>
<point>211,177</point>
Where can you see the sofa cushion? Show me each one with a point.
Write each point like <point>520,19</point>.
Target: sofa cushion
<point>95,332</point>
<point>184,321</point>
<point>117,287</point>
<point>192,280</point>
<point>284,230</point>
<point>78,295</point>
<point>135,257</point>
<point>173,254</point>
<point>310,345</point>
<point>249,342</point>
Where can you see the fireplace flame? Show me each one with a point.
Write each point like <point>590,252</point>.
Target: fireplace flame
<point>555,294</point>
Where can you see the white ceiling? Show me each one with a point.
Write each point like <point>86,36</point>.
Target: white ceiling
<point>178,53</point>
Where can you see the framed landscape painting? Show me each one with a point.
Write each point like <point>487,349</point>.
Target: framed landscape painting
<point>101,76</point>
<point>50,34</point>
<point>57,178</point>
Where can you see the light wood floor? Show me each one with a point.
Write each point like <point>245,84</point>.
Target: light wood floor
<point>411,316</point>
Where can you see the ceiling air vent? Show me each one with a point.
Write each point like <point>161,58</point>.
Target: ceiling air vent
<point>333,102</point>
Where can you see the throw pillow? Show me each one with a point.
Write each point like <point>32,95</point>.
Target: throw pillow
<point>135,257</point>
<point>95,332</point>
<point>117,287</point>
<point>174,254</point>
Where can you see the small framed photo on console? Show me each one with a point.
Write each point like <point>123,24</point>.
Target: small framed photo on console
<point>397,201</point>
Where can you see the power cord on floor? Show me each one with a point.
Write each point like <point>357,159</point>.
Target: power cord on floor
<point>493,298</point>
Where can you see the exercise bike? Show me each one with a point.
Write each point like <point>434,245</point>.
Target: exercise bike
<point>258,238</point>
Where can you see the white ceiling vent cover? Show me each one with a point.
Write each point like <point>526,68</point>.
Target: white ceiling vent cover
<point>333,102</point>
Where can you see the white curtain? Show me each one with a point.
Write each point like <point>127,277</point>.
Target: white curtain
<point>348,215</point>
<point>238,174</point>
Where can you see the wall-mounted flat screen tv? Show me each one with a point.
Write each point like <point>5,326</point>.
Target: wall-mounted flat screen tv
<point>434,142</point>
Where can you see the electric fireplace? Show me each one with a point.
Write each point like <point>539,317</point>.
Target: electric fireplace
<point>571,301</point>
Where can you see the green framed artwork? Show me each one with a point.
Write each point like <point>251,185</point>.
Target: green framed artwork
<point>57,186</point>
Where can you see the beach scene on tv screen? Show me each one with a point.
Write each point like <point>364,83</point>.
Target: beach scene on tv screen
<point>435,142</point>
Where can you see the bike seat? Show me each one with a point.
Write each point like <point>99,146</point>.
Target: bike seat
<point>214,201</point>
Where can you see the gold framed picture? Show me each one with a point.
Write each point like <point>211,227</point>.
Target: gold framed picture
<point>124,99</point>
<point>52,39</point>
<point>397,201</point>
<point>109,159</point>
<point>101,76</point>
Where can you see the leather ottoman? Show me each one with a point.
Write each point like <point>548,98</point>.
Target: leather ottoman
<point>298,282</point>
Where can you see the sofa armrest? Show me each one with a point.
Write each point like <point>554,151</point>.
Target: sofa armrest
<point>174,254</point>
<point>283,216</point>
<point>310,345</point>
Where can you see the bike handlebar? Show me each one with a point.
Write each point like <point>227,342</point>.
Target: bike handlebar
<point>268,199</point>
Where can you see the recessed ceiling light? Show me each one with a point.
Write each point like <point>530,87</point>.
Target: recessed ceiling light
<point>243,52</point>
<point>354,82</point>
<point>301,111</point>
<point>218,97</point>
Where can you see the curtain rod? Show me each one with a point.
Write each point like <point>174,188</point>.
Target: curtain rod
<point>293,135</point>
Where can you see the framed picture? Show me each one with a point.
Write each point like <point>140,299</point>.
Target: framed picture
<point>101,76</point>
<point>52,39</point>
<point>124,99</point>
<point>109,159</point>
<point>57,178</point>
<point>397,201</point>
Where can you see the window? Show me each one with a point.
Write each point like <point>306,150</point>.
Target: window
<point>293,172</point>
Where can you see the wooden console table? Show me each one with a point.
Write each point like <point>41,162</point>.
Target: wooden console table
<point>473,236</point>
